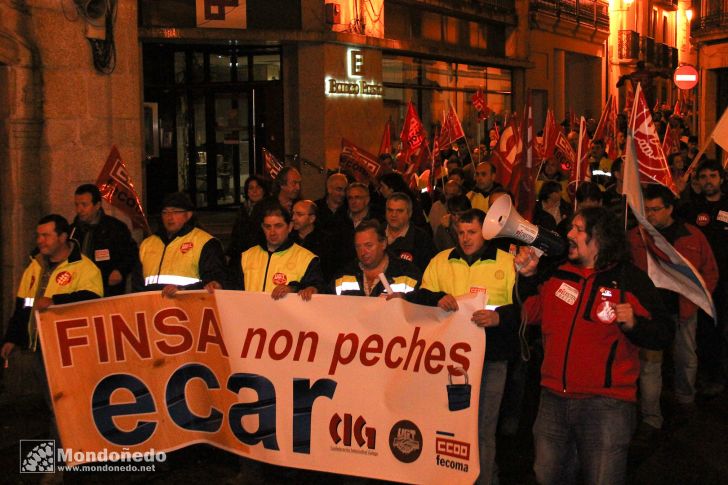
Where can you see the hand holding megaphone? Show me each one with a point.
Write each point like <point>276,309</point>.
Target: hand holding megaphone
<point>526,260</point>
<point>502,220</point>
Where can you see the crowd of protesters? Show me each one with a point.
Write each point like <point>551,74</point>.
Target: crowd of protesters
<point>605,327</point>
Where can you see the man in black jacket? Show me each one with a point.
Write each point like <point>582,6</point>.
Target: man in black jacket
<point>104,239</point>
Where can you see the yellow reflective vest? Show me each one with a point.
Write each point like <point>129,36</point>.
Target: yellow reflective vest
<point>263,270</point>
<point>177,263</point>
<point>76,273</point>
<point>493,272</point>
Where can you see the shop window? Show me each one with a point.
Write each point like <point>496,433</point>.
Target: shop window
<point>267,68</point>
<point>198,67</point>
<point>242,68</point>
<point>180,67</point>
<point>220,68</point>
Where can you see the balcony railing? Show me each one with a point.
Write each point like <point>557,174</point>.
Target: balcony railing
<point>589,12</point>
<point>469,8</point>
<point>715,22</point>
<point>628,45</point>
<point>648,50</point>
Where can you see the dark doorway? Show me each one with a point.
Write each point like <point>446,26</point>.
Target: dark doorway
<point>217,107</point>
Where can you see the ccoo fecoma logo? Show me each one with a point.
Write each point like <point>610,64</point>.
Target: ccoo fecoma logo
<point>37,456</point>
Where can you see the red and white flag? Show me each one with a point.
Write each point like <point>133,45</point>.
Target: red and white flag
<point>363,165</point>
<point>415,155</point>
<point>607,128</point>
<point>550,134</point>
<point>671,140</point>
<point>666,267</point>
<point>522,184</point>
<point>451,130</point>
<point>579,169</point>
<point>508,150</point>
<point>117,189</point>
<point>651,160</point>
<point>480,105</point>
<point>272,165</point>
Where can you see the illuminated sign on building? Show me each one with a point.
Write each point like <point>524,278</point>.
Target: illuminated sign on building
<point>354,87</point>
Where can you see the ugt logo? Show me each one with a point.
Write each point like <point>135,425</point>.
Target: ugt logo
<point>362,433</point>
<point>37,456</point>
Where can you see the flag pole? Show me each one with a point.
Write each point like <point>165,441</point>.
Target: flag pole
<point>694,163</point>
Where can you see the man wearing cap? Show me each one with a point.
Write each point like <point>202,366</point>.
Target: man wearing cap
<point>180,256</point>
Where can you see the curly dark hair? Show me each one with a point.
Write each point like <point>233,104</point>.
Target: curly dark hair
<point>603,224</point>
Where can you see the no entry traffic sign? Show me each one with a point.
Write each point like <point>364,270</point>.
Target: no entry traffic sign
<point>685,77</point>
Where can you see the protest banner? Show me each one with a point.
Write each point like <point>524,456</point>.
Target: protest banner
<point>346,385</point>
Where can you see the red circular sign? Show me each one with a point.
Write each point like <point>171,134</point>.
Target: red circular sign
<point>685,77</point>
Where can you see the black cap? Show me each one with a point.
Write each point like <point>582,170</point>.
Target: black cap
<point>178,200</point>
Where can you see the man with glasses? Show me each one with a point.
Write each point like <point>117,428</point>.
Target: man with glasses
<point>180,256</point>
<point>692,244</point>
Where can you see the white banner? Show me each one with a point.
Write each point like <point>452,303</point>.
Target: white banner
<point>348,385</point>
<point>378,371</point>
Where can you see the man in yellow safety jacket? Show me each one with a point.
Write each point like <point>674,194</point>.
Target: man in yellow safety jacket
<point>477,265</point>
<point>279,266</point>
<point>180,256</point>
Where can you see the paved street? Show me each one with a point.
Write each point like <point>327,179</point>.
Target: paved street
<point>693,452</point>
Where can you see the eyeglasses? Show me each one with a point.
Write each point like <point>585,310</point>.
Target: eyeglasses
<point>654,209</point>
<point>173,211</point>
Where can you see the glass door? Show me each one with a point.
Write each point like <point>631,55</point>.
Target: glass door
<point>216,153</point>
<point>232,146</point>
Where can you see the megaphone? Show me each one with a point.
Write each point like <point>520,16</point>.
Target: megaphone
<point>502,220</point>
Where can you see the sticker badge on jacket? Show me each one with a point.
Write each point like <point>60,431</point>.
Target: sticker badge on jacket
<point>567,293</point>
<point>63,278</point>
<point>186,247</point>
<point>280,279</point>
<point>406,256</point>
<point>102,255</point>
<point>606,308</point>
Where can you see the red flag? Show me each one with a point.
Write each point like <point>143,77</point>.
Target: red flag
<point>522,181</point>
<point>652,163</point>
<point>272,164</point>
<point>385,147</point>
<point>573,120</point>
<point>452,130</point>
<point>564,153</point>
<point>507,151</point>
<point>414,156</point>
<point>363,164</point>
<point>671,141</point>
<point>480,105</point>
<point>666,267</point>
<point>580,171</point>
<point>550,134</point>
<point>117,189</point>
<point>607,128</point>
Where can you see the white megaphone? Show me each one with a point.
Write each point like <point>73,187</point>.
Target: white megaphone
<point>502,220</point>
